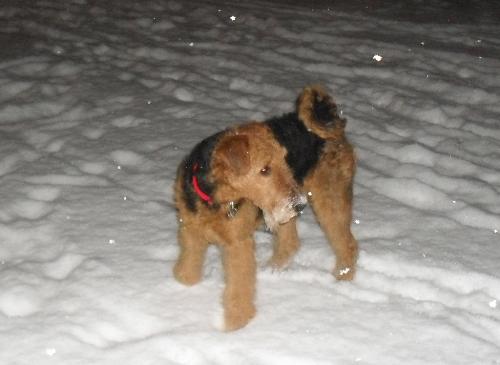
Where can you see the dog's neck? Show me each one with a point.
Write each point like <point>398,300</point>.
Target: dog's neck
<point>232,206</point>
<point>196,186</point>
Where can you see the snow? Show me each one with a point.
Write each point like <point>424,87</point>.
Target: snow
<point>99,102</point>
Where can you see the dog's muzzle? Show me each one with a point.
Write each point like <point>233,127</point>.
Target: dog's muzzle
<point>285,210</point>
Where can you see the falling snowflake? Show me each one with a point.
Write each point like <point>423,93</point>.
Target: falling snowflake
<point>377,58</point>
<point>233,18</point>
<point>493,303</point>
<point>50,351</point>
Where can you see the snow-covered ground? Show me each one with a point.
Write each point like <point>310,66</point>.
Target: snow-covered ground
<point>99,101</point>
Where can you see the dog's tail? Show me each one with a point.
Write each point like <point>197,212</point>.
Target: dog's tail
<point>319,114</point>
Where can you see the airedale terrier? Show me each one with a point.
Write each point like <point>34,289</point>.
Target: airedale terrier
<point>231,178</point>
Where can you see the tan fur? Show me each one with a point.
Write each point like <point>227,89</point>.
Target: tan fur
<point>329,190</point>
<point>305,102</point>
<point>237,161</point>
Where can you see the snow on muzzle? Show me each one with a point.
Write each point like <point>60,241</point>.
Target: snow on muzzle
<point>285,210</point>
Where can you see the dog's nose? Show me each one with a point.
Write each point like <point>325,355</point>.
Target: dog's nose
<point>299,207</point>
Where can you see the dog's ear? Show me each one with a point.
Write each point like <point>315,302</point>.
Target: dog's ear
<point>233,152</point>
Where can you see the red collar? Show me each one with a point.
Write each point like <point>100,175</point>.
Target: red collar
<point>203,196</point>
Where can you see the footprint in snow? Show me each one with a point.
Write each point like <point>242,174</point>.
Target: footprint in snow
<point>38,203</point>
<point>20,301</point>
<point>93,133</point>
<point>128,121</point>
<point>29,209</point>
<point>127,158</point>
<point>43,193</point>
<point>63,266</point>
<point>183,95</point>
<point>94,168</point>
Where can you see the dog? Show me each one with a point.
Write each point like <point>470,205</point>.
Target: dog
<point>268,170</point>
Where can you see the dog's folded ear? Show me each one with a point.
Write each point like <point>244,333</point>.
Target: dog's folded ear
<point>233,153</point>
<point>318,112</point>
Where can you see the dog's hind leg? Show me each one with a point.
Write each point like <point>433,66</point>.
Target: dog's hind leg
<point>189,267</point>
<point>331,199</point>
<point>240,276</point>
<point>286,244</point>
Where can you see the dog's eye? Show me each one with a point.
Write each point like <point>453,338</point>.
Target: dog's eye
<point>265,171</point>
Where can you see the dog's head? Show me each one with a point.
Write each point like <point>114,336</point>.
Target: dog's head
<point>249,163</point>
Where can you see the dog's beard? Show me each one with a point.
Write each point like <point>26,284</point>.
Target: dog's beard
<point>283,212</point>
<point>270,221</point>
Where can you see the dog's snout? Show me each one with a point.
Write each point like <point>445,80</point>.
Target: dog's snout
<point>299,207</point>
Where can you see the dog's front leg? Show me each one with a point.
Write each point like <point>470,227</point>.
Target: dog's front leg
<point>189,266</point>
<point>286,244</point>
<point>240,272</point>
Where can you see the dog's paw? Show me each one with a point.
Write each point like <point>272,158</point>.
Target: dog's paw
<point>186,276</point>
<point>278,263</point>
<point>238,317</point>
<point>344,273</point>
